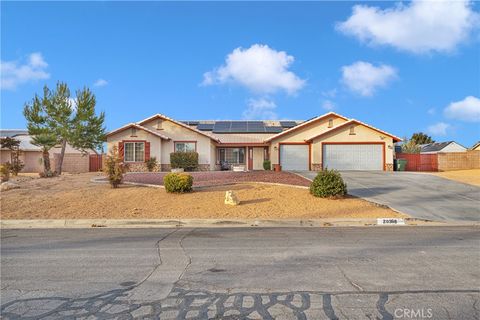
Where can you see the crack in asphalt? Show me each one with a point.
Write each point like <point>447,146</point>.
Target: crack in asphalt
<point>201,304</point>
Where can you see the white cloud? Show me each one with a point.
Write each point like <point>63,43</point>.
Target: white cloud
<point>419,27</point>
<point>261,108</point>
<point>431,111</point>
<point>259,68</point>
<point>438,129</point>
<point>14,74</point>
<point>328,105</point>
<point>467,109</point>
<point>330,93</point>
<point>100,83</point>
<point>364,78</point>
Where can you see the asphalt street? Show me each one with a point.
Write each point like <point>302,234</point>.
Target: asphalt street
<point>241,273</point>
<point>419,195</point>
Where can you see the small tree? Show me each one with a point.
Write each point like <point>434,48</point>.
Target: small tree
<point>114,168</point>
<point>421,138</point>
<point>69,120</point>
<point>409,146</point>
<point>15,166</point>
<point>46,142</point>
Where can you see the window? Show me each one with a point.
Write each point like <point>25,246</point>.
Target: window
<point>330,123</point>
<point>185,146</point>
<point>134,151</point>
<point>352,129</point>
<point>134,132</point>
<point>232,155</point>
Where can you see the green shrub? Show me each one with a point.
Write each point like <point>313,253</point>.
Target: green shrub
<point>4,172</point>
<point>151,164</point>
<point>267,165</point>
<point>114,168</point>
<point>328,184</point>
<point>186,160</point>
<point>178,182</point>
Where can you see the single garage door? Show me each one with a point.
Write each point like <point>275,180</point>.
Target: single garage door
<point>294,157</point>
<point>353,156</point>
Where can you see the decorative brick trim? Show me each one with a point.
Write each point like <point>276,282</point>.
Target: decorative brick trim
<point>137,167</point>
<point>317,167</point>
<point>389,167</point>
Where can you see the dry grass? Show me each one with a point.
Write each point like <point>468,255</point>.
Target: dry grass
<point>75,197</point>
<point>466,176</point>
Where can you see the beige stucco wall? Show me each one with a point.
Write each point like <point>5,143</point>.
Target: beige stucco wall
<point>179,133</point>
<point>155,142</point>
<point>161,148</point>
<point>362,134</point>
<point>300,135</point>
<point>31,159</point>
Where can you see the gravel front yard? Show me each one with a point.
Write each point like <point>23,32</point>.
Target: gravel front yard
<point>466,176</point>
<point>215,178</point>
<point>75,197</point>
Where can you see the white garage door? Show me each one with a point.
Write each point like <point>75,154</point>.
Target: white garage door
<point>353,156</point>
<point>294,157</point>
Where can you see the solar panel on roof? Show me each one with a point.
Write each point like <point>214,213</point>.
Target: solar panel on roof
<point>190,123</point>
<point>205,126</point>
<point>273,129</point>
<point>255,126</point>
<point>222,126</point>
<point>288,124</point>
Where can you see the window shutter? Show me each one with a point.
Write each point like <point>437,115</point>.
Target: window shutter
<point>147,150</point>
<point>120,150</point>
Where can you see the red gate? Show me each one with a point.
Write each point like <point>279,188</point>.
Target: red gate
<point>95,163</point>
<point>420,162</point>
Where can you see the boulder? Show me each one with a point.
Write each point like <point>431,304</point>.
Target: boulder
<point>7,185</point>
<point>231,198</point>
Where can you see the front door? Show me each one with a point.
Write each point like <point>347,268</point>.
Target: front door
<point>250,158</point>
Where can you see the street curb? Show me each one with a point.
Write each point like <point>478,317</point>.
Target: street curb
<point>203,223</point>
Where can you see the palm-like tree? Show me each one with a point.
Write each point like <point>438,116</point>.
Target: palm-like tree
<point>46,142</point>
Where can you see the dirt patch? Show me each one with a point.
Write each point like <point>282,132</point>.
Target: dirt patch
<point>75,197</point>
<point>214,178</point>
<point>466,176</point>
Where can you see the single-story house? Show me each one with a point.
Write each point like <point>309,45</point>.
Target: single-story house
<point>330,140</point>
<point>436,147</point>
<point>31,155</point>
<point>476,146</point>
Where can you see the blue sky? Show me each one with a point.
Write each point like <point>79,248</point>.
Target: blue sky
<point>401,67</point>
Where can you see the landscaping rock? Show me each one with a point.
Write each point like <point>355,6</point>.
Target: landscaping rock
<point>231,198</point>
<point>7,185</point>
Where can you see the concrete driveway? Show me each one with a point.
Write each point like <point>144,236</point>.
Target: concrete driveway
<point>420,195</point>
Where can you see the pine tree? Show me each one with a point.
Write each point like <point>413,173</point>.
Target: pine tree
<point>72,121</point>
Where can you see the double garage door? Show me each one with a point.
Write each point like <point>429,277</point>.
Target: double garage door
<point>335,156</point>
<point>353,156</point>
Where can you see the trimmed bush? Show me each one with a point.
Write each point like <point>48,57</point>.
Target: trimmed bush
<point>328,184</point>
<point>151,164</point>
<point>186,160</point>
<point>267,165</point>
<point>178,182</point>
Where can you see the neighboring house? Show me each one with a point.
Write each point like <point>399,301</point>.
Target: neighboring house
<point>476,146</point>
<point>31,155</point>
<point>436,147</point>
<point>330,140</point>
